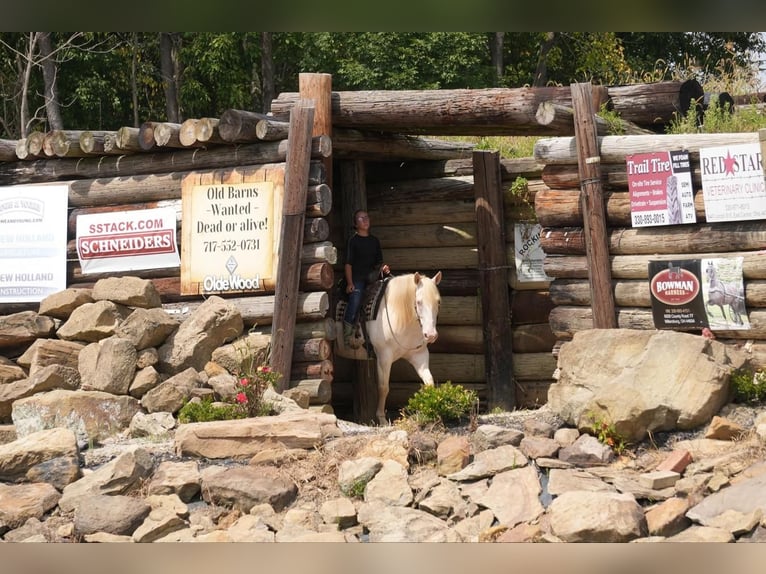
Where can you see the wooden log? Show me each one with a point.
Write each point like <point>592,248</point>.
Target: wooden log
<point>187,133</point>
<point>490,111</point>
<point>461,368</point>
<point>530,306</point>
<point>458,188</point>
<point>567,320</point>
<point>312,370</point>
<point>594,217</point>
<point>705,238</point>
<point>355,144</point>
<point>561,118</point>
<point>152,163</point>
<point>207,131</point>
<point>167,134</point>
<point>132,190</point>
<point>269,129</point>
<point>537,338</point>
<point>239,126</point>
<point>66,143</point>
<point>94,142</point>
<point>654,104</point>
<point>146,139</point>
<point>636,266</point>
<point>458,339</point>
<point>510,169</point>
<point>319,252</point>
<point>260,310</point>
<point>613,149</point>
<point>320,198</point>
<point>48,144</point>
<point>434,257</point>
<point>319,390</point>
<point>8,150</point>
<point>493,279</point>
<point>110,143</point>
<point>127,138</point>
<point>635,293</point>
<point>317,329</point>
<point>22,150</point>
<point>458,282</point>
<point>427,235</point>
<point>291,237</point>
<point>315,229</point>
<point>563,208</point>
<point>311,349</point>
<point>35,143</point>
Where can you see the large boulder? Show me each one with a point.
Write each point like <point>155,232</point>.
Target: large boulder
<point>640,381</point>
<point>212,324</point>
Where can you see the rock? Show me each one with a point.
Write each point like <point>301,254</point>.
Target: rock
<point>640,380</point>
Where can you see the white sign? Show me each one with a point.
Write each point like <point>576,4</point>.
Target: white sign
<point>33,238</point>
<point>529,254</point>
<point>733,183</point>
<point>127,240</point>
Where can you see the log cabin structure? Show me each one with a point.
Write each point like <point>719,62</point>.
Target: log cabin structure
<point>436,205</point>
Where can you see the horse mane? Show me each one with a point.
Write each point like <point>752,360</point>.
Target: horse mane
<point>400,300</point>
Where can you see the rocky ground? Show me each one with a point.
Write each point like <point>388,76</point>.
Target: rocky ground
<point>434,484</point>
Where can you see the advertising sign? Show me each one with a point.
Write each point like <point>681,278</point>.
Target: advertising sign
<point>33,238</point>
<point>127,240</point>
<point>660,187</point>
<point>733,182</point>
<point>228,237</point>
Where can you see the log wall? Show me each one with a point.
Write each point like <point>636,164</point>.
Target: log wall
<point>559,210</point>
<point>423,213</point>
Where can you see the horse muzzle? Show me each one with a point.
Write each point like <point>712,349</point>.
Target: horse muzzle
<point>430,336</point>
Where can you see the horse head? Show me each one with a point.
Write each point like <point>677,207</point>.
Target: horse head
<point>427,302</point>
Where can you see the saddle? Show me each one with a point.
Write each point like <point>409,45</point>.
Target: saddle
<point>368,310</point>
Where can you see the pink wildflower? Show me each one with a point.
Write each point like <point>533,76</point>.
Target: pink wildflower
<point>241,398</point>
<point>244,382</point>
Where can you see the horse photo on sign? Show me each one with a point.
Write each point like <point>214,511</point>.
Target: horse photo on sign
<point>723,289</point>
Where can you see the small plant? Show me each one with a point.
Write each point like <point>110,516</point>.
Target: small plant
<point>444,403</point>
<point>748,386</point>
<point>612,119</point>
<point>206,410</point>
<point>249,398</point>
<point>607,434</point>
<point>356,490</point>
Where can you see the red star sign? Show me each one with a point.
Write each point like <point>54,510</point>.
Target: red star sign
<point>728,164</point>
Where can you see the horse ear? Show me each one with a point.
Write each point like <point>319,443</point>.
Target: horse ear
<point>416,277</point>
<point>437,278</point>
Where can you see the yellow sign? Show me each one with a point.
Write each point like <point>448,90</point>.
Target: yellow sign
<point>228,237</point>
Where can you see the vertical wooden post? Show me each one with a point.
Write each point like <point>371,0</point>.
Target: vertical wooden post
<point>291,239</point>
<point>593,210</point>
<point>493,280</point>
<point>353,192</point>
<point>318,87</point>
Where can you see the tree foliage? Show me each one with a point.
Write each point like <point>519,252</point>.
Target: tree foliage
<point>107,80</point>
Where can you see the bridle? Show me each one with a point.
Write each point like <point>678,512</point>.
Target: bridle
<point>393,334</point>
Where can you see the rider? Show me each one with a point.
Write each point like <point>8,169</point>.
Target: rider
<point>364,257</point>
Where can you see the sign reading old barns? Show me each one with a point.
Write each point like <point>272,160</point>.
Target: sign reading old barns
<point>229,233</point>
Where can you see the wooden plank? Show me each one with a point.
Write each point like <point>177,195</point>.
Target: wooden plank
<point>493,280</point>
<point>291,240</point>
<point>594,218</point>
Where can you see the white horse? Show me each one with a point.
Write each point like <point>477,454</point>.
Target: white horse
<point>405,325</point>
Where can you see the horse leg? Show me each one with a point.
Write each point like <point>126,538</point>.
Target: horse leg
<point>419,360</point>
<point>384,372</point>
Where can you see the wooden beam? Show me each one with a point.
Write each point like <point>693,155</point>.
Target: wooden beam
<point>594,216</point>
<point>291,240</point>
<point>493,280</point>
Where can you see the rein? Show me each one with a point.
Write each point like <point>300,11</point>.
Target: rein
<point>393,334</point>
